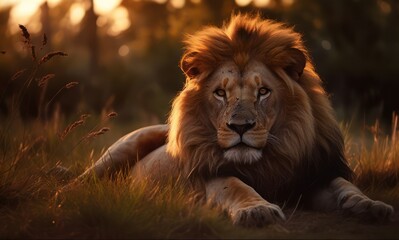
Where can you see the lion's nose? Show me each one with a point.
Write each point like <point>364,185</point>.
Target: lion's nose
<point>241,128</point>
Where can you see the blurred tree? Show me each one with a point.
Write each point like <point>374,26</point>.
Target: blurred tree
<point>354,44</point>
<point>89,37</point>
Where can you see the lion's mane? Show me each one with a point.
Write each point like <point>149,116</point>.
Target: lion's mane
<point>309,149</point>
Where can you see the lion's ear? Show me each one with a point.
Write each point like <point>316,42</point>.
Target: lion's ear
<point>188,65</point>
<point>296,63</point>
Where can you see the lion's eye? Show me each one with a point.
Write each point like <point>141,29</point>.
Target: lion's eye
<point>265,92</point>
<point>220,92</point>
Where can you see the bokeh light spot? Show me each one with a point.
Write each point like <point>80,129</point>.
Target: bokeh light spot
<point>22,13</point>
<point>120,21</point>
<point>160,1</point>
<point>123,51</point>
<point>76,13</point>
<point>102,7</point>
<point>326,44</point>
<point>53,3</point>
<point>177,3</point>
<point>261,3</point>
<point>101,21</point>
<point>384,6</point>
<point>287,3</point>
<point>243,3</point>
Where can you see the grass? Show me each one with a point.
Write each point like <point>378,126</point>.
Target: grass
<point>376,161</point>
<point>32,205</point>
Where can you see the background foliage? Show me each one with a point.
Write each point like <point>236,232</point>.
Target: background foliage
<point>354,44</point>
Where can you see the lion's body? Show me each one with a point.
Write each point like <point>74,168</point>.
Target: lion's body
<point>252,123</point>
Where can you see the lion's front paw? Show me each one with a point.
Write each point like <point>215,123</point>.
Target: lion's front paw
<point>361,205</point>
<point>258,215</point>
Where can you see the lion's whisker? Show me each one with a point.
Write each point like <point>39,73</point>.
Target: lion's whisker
<point>273,140</point>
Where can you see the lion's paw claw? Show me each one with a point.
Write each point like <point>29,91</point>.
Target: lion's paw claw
<point>258,215</point>
<point>381,211</point>
<point>361,205</point>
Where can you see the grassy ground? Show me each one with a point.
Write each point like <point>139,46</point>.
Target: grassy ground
<point>31,205</point>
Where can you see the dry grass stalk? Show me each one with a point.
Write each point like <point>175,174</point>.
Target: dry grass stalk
<point>67,86</point>
<point>395,130</point>
<point>84,116</point>
<point>394,153</point>
<point>377,163</point>
<point>94,134</point>
<point>73,125</point>
<point>25,33</point>
<point>50,55</point>
<point>112,115</point>
<point>27,41</point>
<point>45,79</point>
<point>71,85</point>
<point>18,74</point>
<point>375,130</point>
<point>44,41</point>
<point>70,128</point>
<point>33,52</point>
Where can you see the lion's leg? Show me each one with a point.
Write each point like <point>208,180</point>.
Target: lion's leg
<point>243,204</point>
<point>128,150</point>
<point>343,195</point>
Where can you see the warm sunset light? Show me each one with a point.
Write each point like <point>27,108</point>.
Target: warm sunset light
<point>123,51</point>
<point>160,1</point>
<point>24,11</point>
<point>102,7</point>
<point>53,3</point>
<point>110,12</point>
<point>27,12</point>
<point>76,13</point>
<point>261,3</point>
<point>177,3</point>
<point>101,21</point>
<point>243,3</point>
<point>21,13</point>
<point>7,3</point>
<point>120,21</point>
<point>288,3</point>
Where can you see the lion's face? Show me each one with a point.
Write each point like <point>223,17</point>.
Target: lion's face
<point>252,96</point>
<point>246,105</point>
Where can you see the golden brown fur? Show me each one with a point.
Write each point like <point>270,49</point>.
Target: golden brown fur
<point>306,129</point>
<point>252,124</point>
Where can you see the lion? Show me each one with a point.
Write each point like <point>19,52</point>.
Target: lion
<point>252,128</point>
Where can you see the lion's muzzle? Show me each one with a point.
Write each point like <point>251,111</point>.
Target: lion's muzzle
<point>239,136</point>
<point>241,128</point>
<point>242,117</point>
